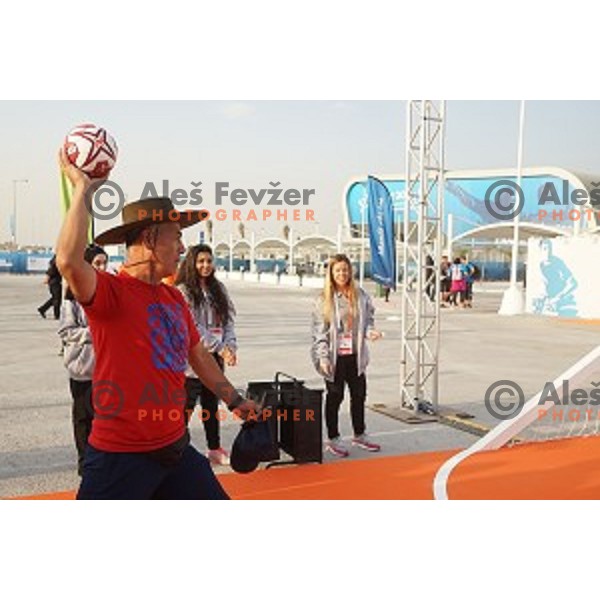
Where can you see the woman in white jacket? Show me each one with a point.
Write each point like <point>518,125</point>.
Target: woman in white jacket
<point>343,320</point>
<point>213,314</point>
<point>79,358</point>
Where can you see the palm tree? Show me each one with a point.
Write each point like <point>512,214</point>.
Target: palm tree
<point>209,230</point>
<point>242,230</point>
<point>286,232</point>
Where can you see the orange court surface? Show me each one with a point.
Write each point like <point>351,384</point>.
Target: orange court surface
<point>555,470</point>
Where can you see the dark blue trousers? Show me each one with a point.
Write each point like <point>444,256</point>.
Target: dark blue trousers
<point>136,476</point>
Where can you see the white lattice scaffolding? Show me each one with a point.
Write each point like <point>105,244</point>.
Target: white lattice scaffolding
<point>422,245</point>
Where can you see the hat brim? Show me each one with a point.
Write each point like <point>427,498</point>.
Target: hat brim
<point>119,234</point>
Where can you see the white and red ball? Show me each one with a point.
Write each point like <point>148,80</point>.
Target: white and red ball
<point>92,149</point>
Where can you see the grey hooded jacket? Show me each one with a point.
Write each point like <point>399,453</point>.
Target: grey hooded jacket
<point>325,337</point>
<point>75,334</point>
<point>202,320</point>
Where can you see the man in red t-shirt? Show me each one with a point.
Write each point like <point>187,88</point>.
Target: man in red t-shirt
<point>144,337</point>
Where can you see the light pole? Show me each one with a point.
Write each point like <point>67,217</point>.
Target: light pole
<point>513,302</point>
<point>14,223</point>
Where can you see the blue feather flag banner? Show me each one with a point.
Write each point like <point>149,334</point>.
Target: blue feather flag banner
<point>381,234</point>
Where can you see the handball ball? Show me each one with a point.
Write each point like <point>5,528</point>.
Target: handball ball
<point>91,149</point>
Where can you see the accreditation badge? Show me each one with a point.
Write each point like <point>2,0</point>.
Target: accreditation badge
<point>345,344</point>
<point>217,332</point>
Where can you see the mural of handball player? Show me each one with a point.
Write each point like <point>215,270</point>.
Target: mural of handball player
<point>144,336</point>
<point>559,285</point>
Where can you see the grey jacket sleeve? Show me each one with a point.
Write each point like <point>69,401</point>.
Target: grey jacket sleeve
<point>229,337</point>
<point>321,335</point>
<point>73,328</point>
<point>369,312</point>
<point>78,358</point>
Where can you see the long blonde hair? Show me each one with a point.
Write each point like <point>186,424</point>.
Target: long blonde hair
<point>330,288</point>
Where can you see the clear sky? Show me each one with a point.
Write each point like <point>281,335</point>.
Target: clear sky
<point>320,145</point>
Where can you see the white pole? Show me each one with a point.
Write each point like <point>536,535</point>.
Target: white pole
<point>291,270</point>
<point>14,223</point>
<point>363,206</point>
<point>14,215</point>
<point>450,235</point>
<point>513,302</point>
<point>397,210</point>
<point>515,248</point>
<point>339,239</point>
<point>252,253</point>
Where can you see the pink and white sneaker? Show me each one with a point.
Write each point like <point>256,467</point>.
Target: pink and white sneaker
<point>337,447</point>
<point>363,441</point>
<point>218,457</point>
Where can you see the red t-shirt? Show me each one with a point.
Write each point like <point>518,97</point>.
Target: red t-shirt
<point>142,336</point>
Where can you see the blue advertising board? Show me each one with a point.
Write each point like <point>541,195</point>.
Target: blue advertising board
<point>464,198</point>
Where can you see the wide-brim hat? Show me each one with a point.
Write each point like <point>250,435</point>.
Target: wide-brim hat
<point>149,211</point>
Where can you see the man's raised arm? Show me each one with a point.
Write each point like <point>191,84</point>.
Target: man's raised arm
<point>80,276</point>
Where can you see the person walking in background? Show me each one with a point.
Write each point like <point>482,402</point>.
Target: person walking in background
<point>470,273</point>
<point>213,314</point>
<point>458,283</point>
<point>386,292</point>
<point>79,359</point>
<point>445,280</point>
<point>430,277</point>
<point>54,282</point>
<point>342,322</point>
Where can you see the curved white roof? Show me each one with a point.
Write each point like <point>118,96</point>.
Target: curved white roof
<point>499,231</point>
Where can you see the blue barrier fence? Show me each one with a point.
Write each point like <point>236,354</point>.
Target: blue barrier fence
<point>25,262</point>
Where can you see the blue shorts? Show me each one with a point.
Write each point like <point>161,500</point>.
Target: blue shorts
<point>136,476</point>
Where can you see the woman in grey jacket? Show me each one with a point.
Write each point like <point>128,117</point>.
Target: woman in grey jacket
<point>79,359</point>
<point>343,320</point>
<point>213,314</point>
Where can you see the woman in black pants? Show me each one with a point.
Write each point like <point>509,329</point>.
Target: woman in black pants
<point>213,314</point>
<point>343,320</point>
<point>79,357</point>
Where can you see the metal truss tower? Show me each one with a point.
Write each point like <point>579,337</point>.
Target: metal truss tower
<point>422,244</point>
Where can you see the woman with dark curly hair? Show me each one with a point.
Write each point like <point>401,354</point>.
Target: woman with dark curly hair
<point>213,314</point>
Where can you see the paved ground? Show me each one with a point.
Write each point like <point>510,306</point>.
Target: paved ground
<point>478,348</point>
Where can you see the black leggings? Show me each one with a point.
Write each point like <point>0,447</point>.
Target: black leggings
<point>195,390</point>
<point>346,372</point>
<point>82,416</point>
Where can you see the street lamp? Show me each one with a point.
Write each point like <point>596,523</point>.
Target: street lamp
<point>14,223</point>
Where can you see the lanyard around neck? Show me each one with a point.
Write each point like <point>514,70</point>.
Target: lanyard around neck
<point>338,314</point>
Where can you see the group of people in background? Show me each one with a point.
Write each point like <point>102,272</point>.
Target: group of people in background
<point>456,282</point>
<point>342,323</point>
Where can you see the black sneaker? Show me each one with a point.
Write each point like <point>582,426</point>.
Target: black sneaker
<point>426,408</point>
<point>42,313</point>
